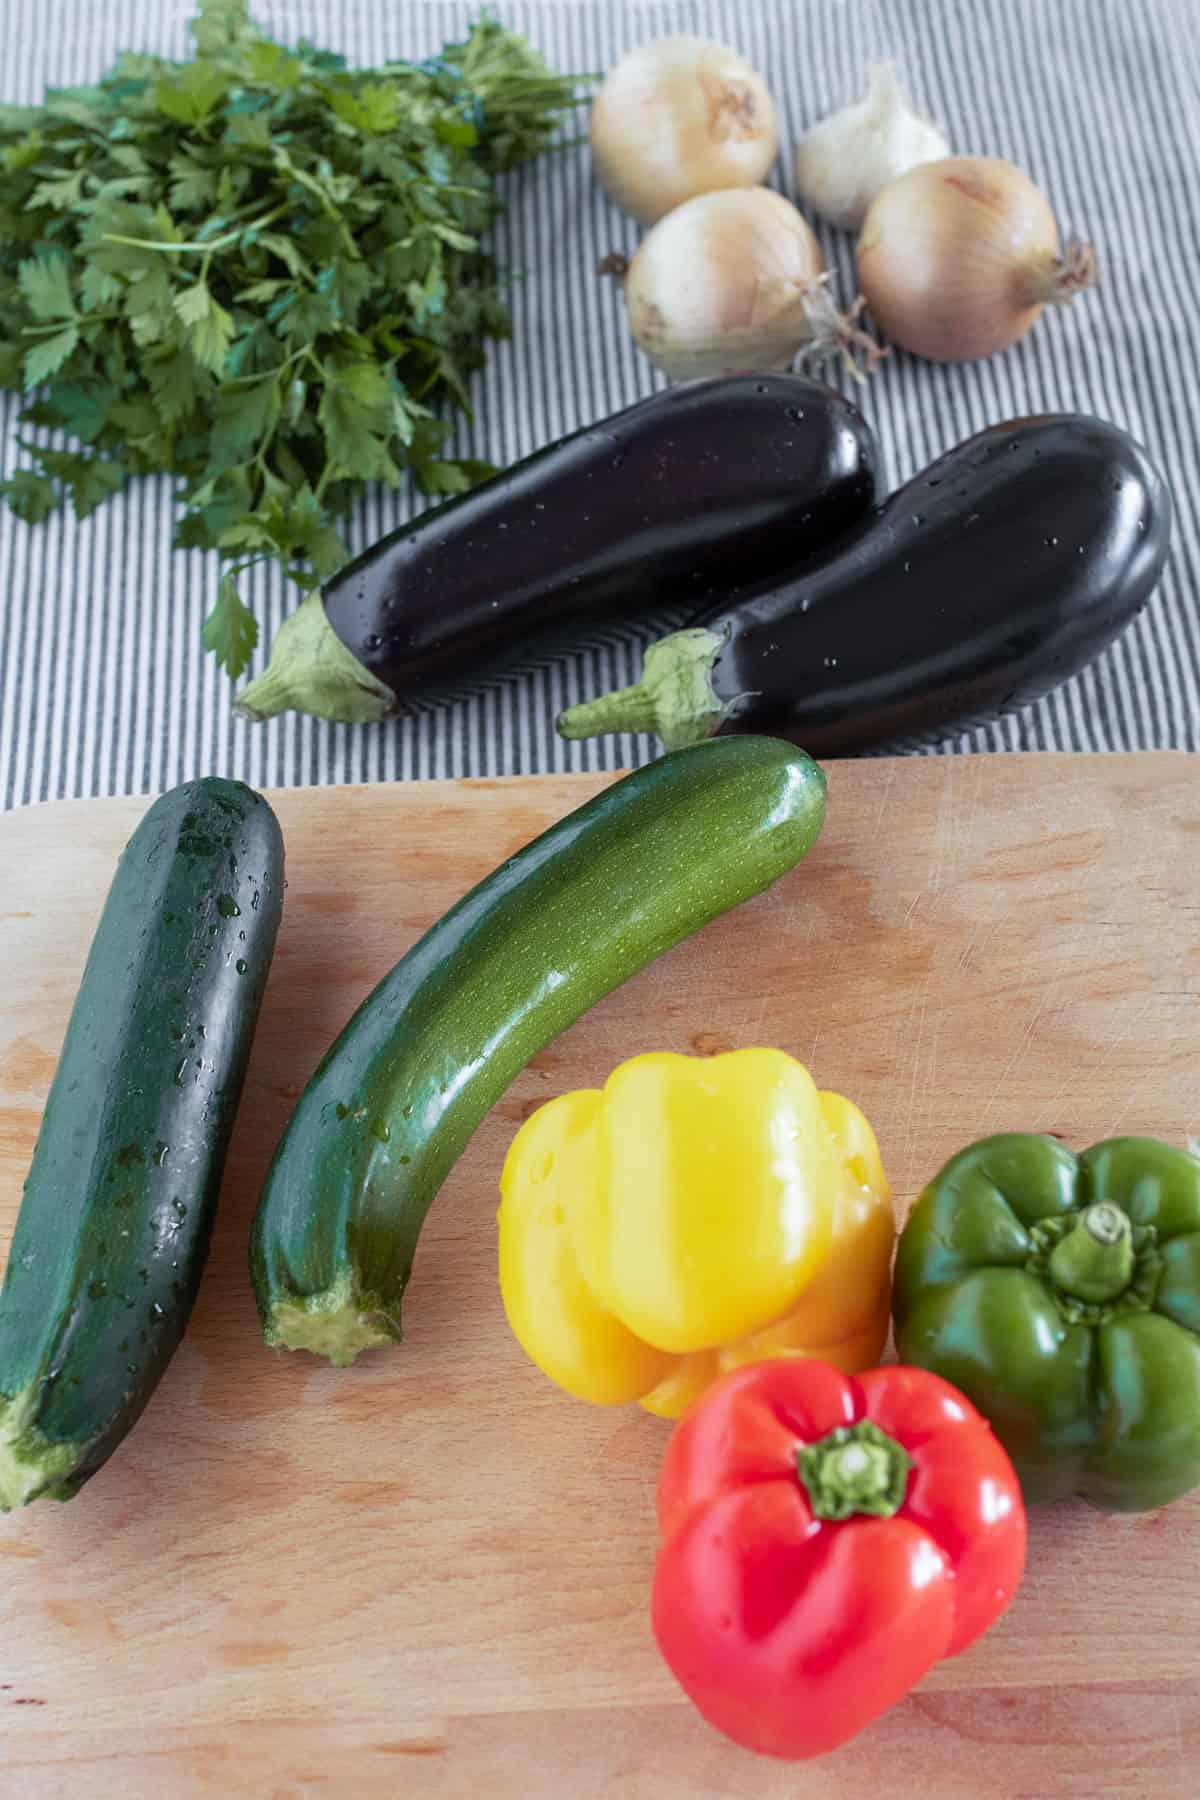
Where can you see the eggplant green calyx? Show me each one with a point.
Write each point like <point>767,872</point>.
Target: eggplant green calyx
<point>312,671</point>
<point>854,1469</point>
<point>1098,1263</point>
<point>675,697</point>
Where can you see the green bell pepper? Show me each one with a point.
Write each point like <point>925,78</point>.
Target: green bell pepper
<point>1061,1293</point>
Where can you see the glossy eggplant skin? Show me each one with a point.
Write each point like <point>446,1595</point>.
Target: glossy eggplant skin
<point>677,499</point>
<point>1001,570</point>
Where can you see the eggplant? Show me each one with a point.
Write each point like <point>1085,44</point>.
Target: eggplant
<point>1003,569</point>
<point>674,501</point>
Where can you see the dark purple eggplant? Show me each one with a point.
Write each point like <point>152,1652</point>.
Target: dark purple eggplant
<point>1003,569</point>
<point>677,500</point>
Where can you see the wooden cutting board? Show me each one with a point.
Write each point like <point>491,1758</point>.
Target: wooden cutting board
<point>428,1574</point>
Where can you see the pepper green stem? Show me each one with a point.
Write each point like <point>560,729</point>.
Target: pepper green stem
<point>674,698</point>
<point>312,671</point>
<point>855,1469</point>
<point>1094,1261</point>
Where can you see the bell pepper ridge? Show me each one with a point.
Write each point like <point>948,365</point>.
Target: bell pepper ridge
<point>794,1611</point>
<point>693,1215</point>
<point>1061,1294</point>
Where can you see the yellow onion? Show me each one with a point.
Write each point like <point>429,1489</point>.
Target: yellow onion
<point>957,258</point>
<point>734,281</point>
<point>677,117</point>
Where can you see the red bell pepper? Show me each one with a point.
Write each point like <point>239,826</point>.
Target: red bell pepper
<point>825,1540</point>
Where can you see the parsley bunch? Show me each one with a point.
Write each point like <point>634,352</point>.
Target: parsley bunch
<point>259,271</point>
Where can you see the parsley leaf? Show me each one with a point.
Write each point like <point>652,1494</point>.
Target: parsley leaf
<point>82,408</point>
<point>61,192</point>
<point>31,496</point>
<point>45,282</point>
<point>454,477</point>
<point>210,327</point>
<point>97,288</point>
<point>356,417</point>
<point>193,94</point>
<point>230,630</point>
<point>173,386</point>
<point>243,417</point>
<point>193,184</point>
<point>259,271</point>
<point>48,355</point>
<point>88,479</point>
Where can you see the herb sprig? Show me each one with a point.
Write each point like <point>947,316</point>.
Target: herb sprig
<point>260,271</point>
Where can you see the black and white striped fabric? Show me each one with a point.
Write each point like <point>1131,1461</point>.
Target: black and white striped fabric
<point>104,687</point>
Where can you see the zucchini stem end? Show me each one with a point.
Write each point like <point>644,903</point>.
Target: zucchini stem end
<point>338,1324</point>
<point>31,1465</point>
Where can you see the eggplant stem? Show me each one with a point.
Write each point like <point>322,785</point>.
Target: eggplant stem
<point>675,697</point>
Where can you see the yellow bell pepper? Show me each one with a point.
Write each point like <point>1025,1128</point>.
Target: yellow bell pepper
<point>694,1214</point>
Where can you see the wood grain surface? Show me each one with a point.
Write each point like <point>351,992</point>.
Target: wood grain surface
<point>428,1574</point>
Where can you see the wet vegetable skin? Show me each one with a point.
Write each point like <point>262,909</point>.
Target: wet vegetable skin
<point>568,918</point>
<point>114,1226</point>
<point>677,501</point>
<point>1004,568</point>
<point>825,1540</point>
<point>1062,1295</point>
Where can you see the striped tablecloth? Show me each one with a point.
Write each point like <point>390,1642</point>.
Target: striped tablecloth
<point>104,687</point>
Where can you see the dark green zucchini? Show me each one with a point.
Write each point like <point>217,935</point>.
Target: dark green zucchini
<point>569,917</point>
<point>118,1207</point>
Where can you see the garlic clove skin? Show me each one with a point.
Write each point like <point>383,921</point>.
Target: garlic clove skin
<point>681,116</point>
<point>843,162</point>
<point>719,286</point>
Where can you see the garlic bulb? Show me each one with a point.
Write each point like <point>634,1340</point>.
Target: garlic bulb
<point>842,163</point>
<point>958,258</point>
<point>734,281</point>
<point>681,116</point>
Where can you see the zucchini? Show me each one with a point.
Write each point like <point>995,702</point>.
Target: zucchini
<point>118,1207</point>
<point>569,917</point>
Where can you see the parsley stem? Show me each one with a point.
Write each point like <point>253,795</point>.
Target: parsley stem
<point>114,237</point>
<point>45,330</point>
<point>263,374</point>
<point>204,246</point>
